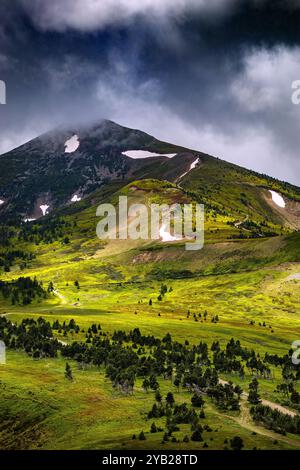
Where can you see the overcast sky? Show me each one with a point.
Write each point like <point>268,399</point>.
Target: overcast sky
<point>212,75</point>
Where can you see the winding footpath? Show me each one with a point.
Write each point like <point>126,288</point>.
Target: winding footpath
<point>271,404</point>
<point>245,421</point>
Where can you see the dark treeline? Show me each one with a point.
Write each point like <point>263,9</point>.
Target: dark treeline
<point>127,356</point>
<point>65,327</point>
<point>22,290</point>
<point>6,234</point>
<point>177,414</point>
<point>50,230</point>
<point>275,420</point>
<point>33,337</point>
<point>252,229</point>
<point>47,231</point>
<point>9,256</point>
<point>8,259</point>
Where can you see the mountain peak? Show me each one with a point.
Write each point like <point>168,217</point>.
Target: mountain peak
<point>65,165</point>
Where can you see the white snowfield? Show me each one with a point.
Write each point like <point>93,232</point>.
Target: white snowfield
<point>75,198</point>
<point>72,144</point>
<point>166,236</point>
<point>29,220</point>
<point>44,208</point>
<point>1,202</point>
<point>193,165</point>
<point>277,199</point>
<point>145,154</point>
<point>293,277</point>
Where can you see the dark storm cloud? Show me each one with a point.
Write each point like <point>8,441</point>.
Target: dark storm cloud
<point>209,75</point>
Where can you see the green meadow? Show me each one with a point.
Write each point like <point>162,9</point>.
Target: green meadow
<point>251,285</point>
<point>46,412</point>
<point>40,409</point>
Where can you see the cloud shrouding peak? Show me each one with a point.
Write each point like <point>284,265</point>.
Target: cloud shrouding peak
<point>92,15</point>
<point>213,75</point>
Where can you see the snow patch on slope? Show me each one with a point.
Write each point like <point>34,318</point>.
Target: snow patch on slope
<point>166,236</point>
<point>44,208</point>
<point>75,198</point>
<point>293,277</point>
<point>1,202</point>
<point>145,154</point>
<point>192,166</point>
<point>29,220</point>
<point>72,144</point>
<point>277,199</point>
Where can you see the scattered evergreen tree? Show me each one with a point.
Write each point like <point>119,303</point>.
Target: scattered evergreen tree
<point>158,396</point>
<point>68,372</point>
<point>197,435</point>
<point>236,443</point>
<point>197,400</point>
<point>253,396</point>
<point>153,428</point>
<point>170,399</point>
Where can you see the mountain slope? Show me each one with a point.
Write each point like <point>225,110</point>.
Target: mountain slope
<point>65,241</point>
<point>61,167</point>
<point>48,171</point>
<point>244,193</point>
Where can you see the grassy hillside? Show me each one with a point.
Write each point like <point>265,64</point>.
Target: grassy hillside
<point>244,284</point>
<point>242,193</point>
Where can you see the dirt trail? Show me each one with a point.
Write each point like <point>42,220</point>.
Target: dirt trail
<point>60,296</point>
<point>238,224</point>
<point>274,406</point>
<point>245,421</point>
